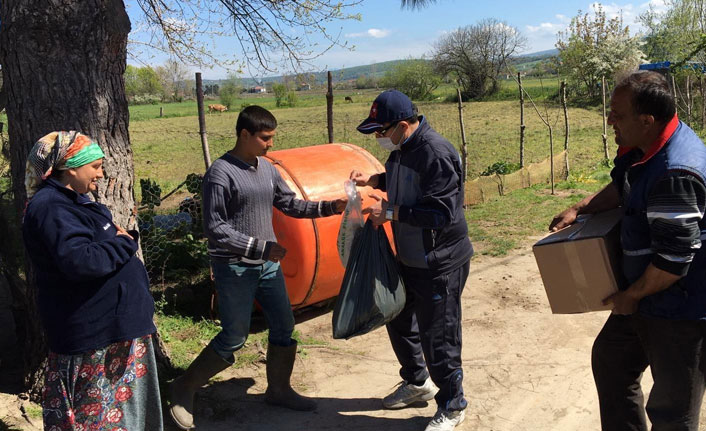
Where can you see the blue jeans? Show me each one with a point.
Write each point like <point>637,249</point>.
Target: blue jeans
<point>238,286</point>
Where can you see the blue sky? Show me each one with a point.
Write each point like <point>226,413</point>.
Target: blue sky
<point>387,32</point>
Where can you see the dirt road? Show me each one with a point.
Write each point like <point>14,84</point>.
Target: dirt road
<point>525,369</point>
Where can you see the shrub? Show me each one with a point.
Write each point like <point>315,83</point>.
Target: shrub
<point>146,99</point>
<point>415,78</point>
<point>228,93</point>
<point>501,168</point>
<point>151,193</point>
<point>280,91</point>
<point>292,99</point>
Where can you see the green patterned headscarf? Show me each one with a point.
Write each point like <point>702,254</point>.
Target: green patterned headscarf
<point>58,151</point>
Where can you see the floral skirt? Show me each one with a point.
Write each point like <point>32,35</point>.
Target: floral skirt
<point>109,389</point>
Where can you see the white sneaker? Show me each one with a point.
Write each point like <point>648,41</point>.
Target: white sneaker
<point>408,393</point>
<point>446,420</point>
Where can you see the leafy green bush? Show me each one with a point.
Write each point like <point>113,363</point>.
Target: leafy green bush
<point>194,182</point>
<point>151,193</point>
<point>229,92</point>
<point>171,253</point>
<point>280,91</point>
<point>365,81</point>
<point>146,99</point>
<point>292,99</point>
<point>176,256</point>
<point>501,168</point>
<point>415,78</point>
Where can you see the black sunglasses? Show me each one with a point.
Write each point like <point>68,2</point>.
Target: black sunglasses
<point>385,129</point>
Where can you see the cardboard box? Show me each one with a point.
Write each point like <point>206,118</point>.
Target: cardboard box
<point>581,264</point>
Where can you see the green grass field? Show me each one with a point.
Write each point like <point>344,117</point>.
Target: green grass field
<point>190,108</point>
<point>500,225</point>
<point>166,149</point>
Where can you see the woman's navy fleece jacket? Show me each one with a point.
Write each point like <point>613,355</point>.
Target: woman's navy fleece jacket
<point>92,289</point>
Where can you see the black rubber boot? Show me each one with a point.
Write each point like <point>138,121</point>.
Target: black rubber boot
<point>280,362</point>
<point>183,388</point>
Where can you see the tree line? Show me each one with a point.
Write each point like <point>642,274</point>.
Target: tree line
<point>592,47</point>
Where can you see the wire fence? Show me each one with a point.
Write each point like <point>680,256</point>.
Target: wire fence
<point>170,221</point>
<point>172,240</point>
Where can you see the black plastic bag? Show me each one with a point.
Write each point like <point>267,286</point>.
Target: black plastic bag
<point>372,292</point>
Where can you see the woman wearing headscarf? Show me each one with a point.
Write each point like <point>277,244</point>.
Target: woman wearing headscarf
<point>93,295</point>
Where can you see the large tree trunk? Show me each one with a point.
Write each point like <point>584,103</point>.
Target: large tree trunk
<point>63,63</point>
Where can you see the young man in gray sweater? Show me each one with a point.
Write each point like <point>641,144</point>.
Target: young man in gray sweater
<point>239,191</point>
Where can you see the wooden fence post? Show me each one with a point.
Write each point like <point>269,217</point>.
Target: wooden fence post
<point>202,121</point>
<point>551,157</point>
<point>161,112</point>
<point>522,121</point>
<point>329,108</point>
<point>464,144</point>
<point>605,124</point>
<point>566,127</point>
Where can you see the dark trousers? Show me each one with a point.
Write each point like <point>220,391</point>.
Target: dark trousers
<point>674,350</point>
<point>426,336</point>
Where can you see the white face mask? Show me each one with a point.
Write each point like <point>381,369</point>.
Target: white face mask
<point>386,142</point>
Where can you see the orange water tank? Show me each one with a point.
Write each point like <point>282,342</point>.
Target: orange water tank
<point>312,269</point>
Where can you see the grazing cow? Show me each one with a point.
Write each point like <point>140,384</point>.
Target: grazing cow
<point>217,107</point>
<point>349,99</point>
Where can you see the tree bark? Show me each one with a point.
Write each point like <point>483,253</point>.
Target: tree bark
<point>202,122</point>
<point>63,63</point>
<point>3,98</point>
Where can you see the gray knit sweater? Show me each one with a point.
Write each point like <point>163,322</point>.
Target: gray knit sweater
<point>237,208</point>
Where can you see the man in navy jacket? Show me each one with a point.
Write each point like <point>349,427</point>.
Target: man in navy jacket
<point>424,184</point>
<point>659,320</point>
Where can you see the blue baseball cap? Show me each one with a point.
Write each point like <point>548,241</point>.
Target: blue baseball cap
<point>388,107</point>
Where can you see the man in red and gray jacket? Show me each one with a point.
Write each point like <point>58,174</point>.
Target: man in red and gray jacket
<point>659,320</point>
<point>424,180</point>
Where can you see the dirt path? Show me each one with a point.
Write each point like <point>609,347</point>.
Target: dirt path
<point>525,369</point>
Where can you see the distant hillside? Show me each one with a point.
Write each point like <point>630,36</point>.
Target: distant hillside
<point>525,62</point>
<point>378,70</point>
<point>544,54</point>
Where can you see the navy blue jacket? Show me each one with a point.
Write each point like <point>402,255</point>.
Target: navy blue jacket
<point>424,177</point>
<point>92,289</point>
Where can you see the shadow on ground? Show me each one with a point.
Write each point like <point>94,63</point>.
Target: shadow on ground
<point>226,405</point>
